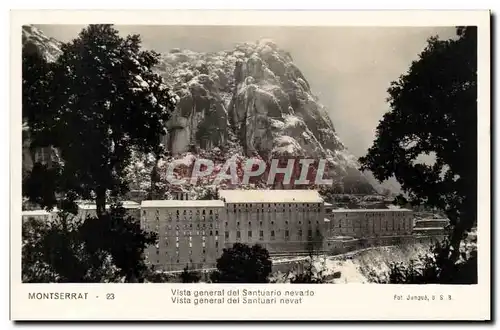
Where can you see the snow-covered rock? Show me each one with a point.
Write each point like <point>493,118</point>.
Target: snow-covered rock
<point>250,100</point>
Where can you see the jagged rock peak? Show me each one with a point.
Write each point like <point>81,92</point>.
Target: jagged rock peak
<point>249,100</point>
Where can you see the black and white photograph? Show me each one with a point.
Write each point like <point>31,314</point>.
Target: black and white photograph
<point>235,154</point>
<point>231,163</point>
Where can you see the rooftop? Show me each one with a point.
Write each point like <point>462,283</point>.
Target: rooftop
<point>125,205</point>
<point>270,196</point>
<point>35,213</point>
<point>182,203</point>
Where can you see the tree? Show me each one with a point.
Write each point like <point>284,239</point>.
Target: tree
<point>120,235</point>
<point>188,276</point>
<point>55,252</point>
<point>243,264</point>
<point>104,102</point>
<point>434,113</point>
<point>97,104</point>
<point>434,267</point>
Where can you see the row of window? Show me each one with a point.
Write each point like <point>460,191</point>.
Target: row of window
<point>190,246</point>
<point>261,234</point>
<point>282,210</point>
<point>272,223</point>
<point>157,227</point>
<point>192,233</point>
<point>178,219</point>
<point>184,212</point>
<point>276,205</point>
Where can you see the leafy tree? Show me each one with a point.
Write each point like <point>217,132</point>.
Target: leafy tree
<point>434,267</point>
<point>189,276</point>
<point>243,264</point>
<point>55,252</point>
<point>120,235</point>
<point>97,104</point>
<point>434,113</point>
<point>104,101</point>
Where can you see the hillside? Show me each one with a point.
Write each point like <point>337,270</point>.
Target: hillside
<point>250,101</point>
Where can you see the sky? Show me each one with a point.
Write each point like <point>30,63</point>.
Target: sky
<point>348,68</point>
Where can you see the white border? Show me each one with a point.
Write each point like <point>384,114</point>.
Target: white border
<point>332,302</point>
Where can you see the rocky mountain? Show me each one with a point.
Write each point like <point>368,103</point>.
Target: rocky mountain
<point>250,101</point>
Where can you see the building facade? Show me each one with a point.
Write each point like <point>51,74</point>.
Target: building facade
<point>362,223</point>
<point>190,233</point>
<point>193,233</point>
<point>279,220</point>
<point>89,209</point>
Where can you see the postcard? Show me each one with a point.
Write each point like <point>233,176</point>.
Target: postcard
<point>250,165</point>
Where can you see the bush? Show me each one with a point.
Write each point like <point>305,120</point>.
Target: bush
<point>243,264</point>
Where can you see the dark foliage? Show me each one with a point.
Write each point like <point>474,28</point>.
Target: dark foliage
<point>243,264</point>
<point>435,267</point>
<point>96,104</point>
<point>434,112</point>
<point>189,276</point>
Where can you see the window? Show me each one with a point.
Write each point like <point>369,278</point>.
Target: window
<point>249,233</point>
<point>238,234</point>
<point>309,233</point>
<point>217,232</point>
<point>226,234</point>
<point>237,223</point>
<point>261,235</point>
<point>260,223</point>
<point>216,244</point>
<point>286,222</point>
<point>249,224</point>
<point>190,244</point>
<point>299,233</point>
<point>272,234</point>
<point>211,233</point>
<point>287,233</point>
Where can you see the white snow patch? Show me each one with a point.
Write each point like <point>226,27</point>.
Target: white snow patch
<point>276,123</point>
